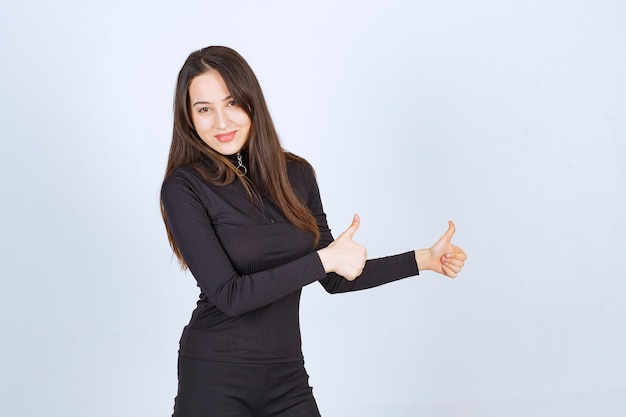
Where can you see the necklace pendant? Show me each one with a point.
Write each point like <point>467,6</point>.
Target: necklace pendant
<point>240,166</point>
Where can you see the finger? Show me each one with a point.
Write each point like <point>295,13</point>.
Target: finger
<point>448,271</point>
<point>350,231</point>
<point>446,260</point>
<point>456,262</point>
<point>459,252</point>
<point>452,267</point>
<point>451,229</point>
<point>455,255</point>
<point>447,236</point>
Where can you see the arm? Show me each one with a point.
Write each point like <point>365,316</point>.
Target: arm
<point>233,293</point>
<point>443,257</point>
<point>344,260</point>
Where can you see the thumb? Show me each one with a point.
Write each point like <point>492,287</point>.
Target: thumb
<point>350,231</point>
<point>450,232</point>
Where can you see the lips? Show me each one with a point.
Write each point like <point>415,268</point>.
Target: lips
<point>226,137</point>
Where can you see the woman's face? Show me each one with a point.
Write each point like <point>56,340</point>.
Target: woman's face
<point>218,120</point>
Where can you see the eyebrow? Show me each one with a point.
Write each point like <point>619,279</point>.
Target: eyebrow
<point>208,102</point>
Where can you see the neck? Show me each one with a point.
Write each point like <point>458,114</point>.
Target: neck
<point>240,161</point>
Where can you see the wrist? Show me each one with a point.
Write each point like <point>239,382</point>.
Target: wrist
<point>424,260</point>
<point>325,258</point>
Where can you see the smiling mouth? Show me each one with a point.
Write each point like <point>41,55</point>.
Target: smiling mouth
<point>226,137</point>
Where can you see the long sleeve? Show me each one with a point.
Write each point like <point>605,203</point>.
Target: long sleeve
<point>250,264</point>
<point>194,211</point>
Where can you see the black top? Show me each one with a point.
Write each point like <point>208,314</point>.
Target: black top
<point>251,264</point>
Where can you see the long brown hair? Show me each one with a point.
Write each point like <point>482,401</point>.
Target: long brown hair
<point>267,159</point>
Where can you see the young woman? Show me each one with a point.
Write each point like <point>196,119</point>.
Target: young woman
<point>246,218</point>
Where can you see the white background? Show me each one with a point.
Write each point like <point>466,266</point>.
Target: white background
<point>508,117</point>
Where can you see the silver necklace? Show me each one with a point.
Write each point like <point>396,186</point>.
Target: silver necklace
<point>240,166</point>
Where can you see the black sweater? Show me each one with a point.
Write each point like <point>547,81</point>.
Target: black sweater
<point>251,264</point>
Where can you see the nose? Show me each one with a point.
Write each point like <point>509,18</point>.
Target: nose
<point>221,121</point>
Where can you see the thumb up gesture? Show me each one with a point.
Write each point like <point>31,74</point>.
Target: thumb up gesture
<point>344,256</point>
<point>443,257</point>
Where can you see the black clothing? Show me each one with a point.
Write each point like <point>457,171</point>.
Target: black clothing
<point>251,264</point>
<point>215,389</point>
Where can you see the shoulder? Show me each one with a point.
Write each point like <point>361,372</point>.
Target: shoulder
<point>298,167</point>
<point>180,175</point>
<point>302,177</point>
<point>184,180</point>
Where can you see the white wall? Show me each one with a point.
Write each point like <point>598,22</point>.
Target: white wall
<point>508,117</point>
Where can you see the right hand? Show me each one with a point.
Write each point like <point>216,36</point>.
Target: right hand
<point>344,256</point>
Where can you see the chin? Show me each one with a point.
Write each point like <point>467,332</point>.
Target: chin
<point>227,149</point>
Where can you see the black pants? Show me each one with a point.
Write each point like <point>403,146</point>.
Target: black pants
<point>218,389</point>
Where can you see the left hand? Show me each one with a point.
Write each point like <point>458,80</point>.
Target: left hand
<point>443,257</point>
